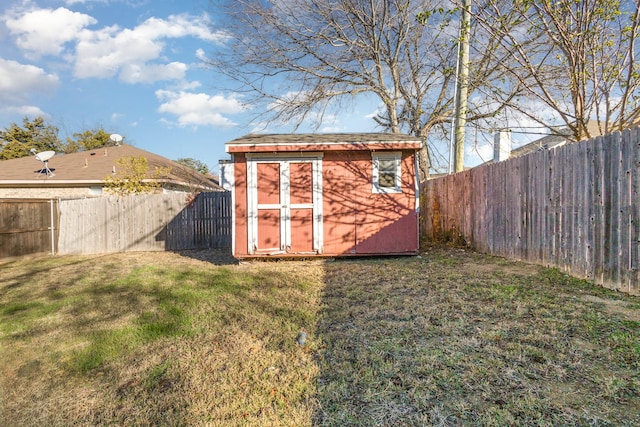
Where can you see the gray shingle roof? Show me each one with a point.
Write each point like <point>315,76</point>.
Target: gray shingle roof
<point>322,139</point>
<point>93,166</point>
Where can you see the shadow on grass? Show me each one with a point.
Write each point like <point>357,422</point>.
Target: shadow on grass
<point>445,340</point>
<point>213,256</point>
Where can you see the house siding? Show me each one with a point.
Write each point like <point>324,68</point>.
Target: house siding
<point>46,193</point>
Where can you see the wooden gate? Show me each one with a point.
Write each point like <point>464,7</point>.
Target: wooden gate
<point>28,226</point>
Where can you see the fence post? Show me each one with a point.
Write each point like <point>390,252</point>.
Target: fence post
<point>52,228</point>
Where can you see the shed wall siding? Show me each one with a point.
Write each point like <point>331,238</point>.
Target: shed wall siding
<point>355,220</point>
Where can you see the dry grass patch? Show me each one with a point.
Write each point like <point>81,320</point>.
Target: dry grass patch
<point>458,338</point>
<point>449,338</point>
<point>156,339</point>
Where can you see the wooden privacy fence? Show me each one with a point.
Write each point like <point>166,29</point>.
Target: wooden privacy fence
<point>575,207</point>
<point>153,222</point>
<point>28,226</point>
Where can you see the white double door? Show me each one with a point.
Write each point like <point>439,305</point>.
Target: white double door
<point>284,203</point>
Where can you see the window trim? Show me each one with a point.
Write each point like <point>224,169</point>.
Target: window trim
<point>376,157</point>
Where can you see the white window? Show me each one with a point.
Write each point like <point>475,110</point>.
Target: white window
<point>387,172</point>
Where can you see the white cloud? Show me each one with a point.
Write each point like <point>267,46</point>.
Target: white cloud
<point>135,54</point>
<point>201,55</point>
<point>46,31</point>
<point>176,26</point>
<point>149,73</point>
<point>478,153</point>
<point>105,52</point>
<point>18,82</point>
<point>331,129</point>
<point>112,50</point>
<point>72,2</point>
<point>23,110</point>
<point>199,109</point>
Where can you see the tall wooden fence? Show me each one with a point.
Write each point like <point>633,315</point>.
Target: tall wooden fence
<point>575,207</point>
<point>154,222</point>
<point>28,226</point>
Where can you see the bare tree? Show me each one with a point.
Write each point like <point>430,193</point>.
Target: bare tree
<point>575,58</point>
<point>304,58</point>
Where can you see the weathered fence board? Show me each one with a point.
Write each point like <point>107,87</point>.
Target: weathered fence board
<point>27,226</point>
<point>576,207</point>
<point>152,222</point>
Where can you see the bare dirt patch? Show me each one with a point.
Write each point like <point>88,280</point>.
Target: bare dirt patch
<point>622,307</point>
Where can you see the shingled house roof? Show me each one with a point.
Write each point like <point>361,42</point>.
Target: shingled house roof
<point>322,141</point>
<point>91,167</point>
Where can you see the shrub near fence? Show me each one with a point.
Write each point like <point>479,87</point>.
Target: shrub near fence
<point>576,207</point>
<point>151,222</point>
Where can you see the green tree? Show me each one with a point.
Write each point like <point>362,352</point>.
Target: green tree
<point>17,141</point>
<point>87,140</point>
<point>133,177</point>
<point>194,164</point>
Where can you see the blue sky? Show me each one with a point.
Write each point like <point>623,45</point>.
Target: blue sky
<point>133,67</point>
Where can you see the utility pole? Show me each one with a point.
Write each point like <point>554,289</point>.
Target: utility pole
<point>463,86</point>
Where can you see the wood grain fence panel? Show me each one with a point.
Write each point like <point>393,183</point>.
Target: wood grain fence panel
<point>566,207</point>
<point>500,182</point>
<point>626,209</point>
<point>555,228</point>
<point>144,223</point>
<point>634,274</point>
<point>599,179</point>
<point>531,225</point>
<point>467,204</point>
<point>576,207</point>
<point>492,199</point>
<point>579,225</point>
<point>587,206</point>
<point>539,207</point>
<point>611,207</point>
<point>528,226</point>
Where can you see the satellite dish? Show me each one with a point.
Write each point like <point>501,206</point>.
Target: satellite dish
<point>44,157</point>
<point>116,138</point>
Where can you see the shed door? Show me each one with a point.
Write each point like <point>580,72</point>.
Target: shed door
<point>285,203</point>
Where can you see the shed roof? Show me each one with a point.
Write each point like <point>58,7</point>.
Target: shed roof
<point>93,166</point>
<point>323,142</point>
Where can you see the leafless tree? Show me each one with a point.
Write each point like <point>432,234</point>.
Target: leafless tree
<point>305,58</point>
<point>576,59</point>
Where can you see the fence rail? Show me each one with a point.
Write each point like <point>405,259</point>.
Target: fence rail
<point>575,207</point>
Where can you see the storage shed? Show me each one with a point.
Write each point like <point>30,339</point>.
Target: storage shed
<point>324,194</point>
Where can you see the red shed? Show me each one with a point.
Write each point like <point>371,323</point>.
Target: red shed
<point>324,194</point>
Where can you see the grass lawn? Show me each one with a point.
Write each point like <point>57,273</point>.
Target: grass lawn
<point>448,338</point>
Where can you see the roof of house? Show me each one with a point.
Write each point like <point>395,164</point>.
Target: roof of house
<point>551,141</point>
<point>323,142</point>
<point>544,143</point>
<point>93,166</point>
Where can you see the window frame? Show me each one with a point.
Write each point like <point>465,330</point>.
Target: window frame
<point>376,158</point>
